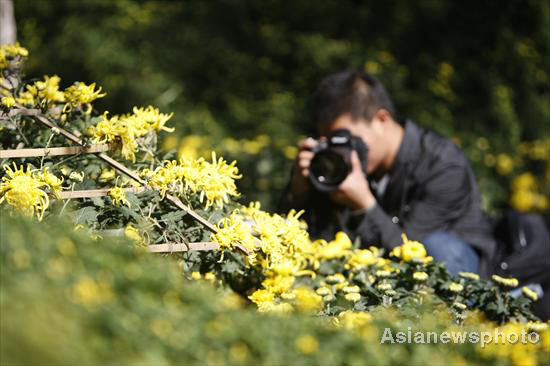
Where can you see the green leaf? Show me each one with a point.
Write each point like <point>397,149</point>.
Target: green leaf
<point>85,216</point>
<point>98,201</point>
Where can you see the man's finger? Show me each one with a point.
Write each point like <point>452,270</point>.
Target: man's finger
<point>304,163</point>
<point>355,162</point>
<point>307,144</point>
<point>305,154</point>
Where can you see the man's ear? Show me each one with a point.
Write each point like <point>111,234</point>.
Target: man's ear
<point>383,115</point>
<point>381,121</point>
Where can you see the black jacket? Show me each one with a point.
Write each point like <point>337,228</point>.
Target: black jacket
<point>431,188</point>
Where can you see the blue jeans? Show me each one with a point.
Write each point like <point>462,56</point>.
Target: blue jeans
<point>457,255</point>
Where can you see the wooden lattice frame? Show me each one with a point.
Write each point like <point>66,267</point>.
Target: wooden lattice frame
<point>99,150</point>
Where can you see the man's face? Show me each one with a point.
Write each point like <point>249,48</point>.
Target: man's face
<point>372,134</point>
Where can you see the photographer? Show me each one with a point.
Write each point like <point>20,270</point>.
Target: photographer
<point>398,179</point>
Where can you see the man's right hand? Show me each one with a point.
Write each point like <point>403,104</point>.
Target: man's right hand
<point>300,175</point>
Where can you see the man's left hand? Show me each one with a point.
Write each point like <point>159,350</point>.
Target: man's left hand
<point>354,191</point>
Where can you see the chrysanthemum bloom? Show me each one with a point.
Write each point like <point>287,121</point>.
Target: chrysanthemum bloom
<point>323,291</point>
<point>307,300</point>
<point>456,287</point>
<point>47,89</point>
<point>354,297</point>
<point>80,94</point>
<point>10,53</point>
<point>537,326</point>
<point>507,282</point>
<point>337,248</point>
<point>261,296</point>
<point>351,289</point>
<point>25,189</point>
<point>383,273</point>
<point>133,233</point>
<point>213,181</point>
<point>336,278</point>
<point>529,293</point>
<point>352,320</point>
<point>233,231</point>
<point>8,101</point>
<point>410,250</point>
<point>118,195</point>
<point>126,129</point>
<point>469,276</point>
<point>384,287</point>
<point>420,276</point>
<point>459,306</point>
<point>362,258</point>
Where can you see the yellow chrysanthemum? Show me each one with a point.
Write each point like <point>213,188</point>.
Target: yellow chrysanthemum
<point>352,320</point>
<point>52,181</point>
<point>507,282</point>
<point>420,276</point>
<point>323,291</point>
<point>307,300</point>
<point>47,89</point>
<point>456,287</point>
<point>278,284</point>
<point>384,287</point>
<point>529,293</point>
<point>469,276</point>
<point>11,53</point>
<point>8,101</point>
<point>307,344</point>
<point>118,195</point>
<point>232,231</point>
<point>80,94</point>
<point>337,248</point>
<point>153,118</point>
<point>127,129</point>
<point>353,297</point>
<point>410,250</point>
<point>261,296</point>
<point>361,258</point>
<point>25,189</point>
<point>351,289</point>
<point>133,233</point>
<point>214,181</point>
<point>336,278</point>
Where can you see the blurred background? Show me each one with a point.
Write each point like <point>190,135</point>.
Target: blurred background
<point>238,75</point>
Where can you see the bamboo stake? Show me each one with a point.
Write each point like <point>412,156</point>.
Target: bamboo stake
<point>53,151</point>
<point>182,247</point>
<point>96,192</point>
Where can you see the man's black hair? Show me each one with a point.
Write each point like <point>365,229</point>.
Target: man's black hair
<point>354,92</point>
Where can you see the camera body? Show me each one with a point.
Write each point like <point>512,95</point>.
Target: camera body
<point>331,163</point>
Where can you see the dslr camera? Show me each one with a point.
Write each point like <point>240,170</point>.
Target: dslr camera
<point>331,163</point>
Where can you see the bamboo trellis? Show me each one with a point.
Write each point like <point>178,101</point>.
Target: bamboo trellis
<point>100,150</point>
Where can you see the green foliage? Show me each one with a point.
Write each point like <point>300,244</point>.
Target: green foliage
<point>67,299</point>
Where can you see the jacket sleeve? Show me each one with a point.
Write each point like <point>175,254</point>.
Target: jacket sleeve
<point>446,195</point>
<point>375,226</point>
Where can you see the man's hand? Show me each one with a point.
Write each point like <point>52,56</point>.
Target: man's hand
<point>354,191</point>
<point>300,175</point>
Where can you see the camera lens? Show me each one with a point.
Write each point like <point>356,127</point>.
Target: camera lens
<point>329,168</point>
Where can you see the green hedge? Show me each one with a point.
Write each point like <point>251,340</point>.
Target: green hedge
<point>66,299</point>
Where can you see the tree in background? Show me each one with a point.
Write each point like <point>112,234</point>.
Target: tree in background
<point>233,70</point>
